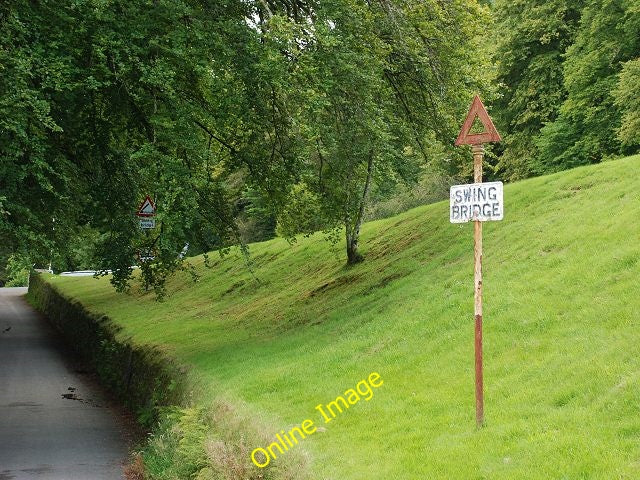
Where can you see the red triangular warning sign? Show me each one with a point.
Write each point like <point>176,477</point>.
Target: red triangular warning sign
<point>490,133</point>
<point>147,208</point>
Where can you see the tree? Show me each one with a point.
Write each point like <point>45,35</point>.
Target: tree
<point>532,39</point>
<point>628,101</point>
<point>35,183</point>
<point>199,102</point>
<point>382,85</point>
<point>589,118</point>
<point>104,103</point>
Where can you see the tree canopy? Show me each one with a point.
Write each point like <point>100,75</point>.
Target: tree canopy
<point>242,115</point>
<point>201,104</point>
<point>567,72</point>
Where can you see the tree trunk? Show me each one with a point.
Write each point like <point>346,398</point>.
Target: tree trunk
<point>353,231</point>
<point>353,256</point>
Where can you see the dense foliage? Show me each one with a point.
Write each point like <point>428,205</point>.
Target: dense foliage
<point>106,102</point>
<point>382,84</point>
<point>218,111</point>
<point>568,71</point>
<point>533,36</point>
<point>246,117</point>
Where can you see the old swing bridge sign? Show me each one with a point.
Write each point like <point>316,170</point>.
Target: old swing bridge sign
<point>476,201</point>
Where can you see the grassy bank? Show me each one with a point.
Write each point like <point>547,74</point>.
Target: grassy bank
<point>562,370</point>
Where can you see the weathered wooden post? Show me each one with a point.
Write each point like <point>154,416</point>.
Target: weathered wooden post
<point>477,202</point>
<point>478,157</point>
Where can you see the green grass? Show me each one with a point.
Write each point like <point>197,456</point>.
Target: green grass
<point>561,333</point>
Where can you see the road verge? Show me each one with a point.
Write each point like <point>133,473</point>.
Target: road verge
<point>139,376</point>
<point>188,439</point>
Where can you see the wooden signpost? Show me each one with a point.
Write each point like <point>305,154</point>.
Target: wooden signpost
<point>477,203</point>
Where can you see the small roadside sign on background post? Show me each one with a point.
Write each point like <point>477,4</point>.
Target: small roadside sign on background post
<point>146,216</point>
<point>146,213</point>
<point>477,202</point>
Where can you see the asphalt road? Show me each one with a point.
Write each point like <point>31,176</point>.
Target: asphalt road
<point>55,424</point>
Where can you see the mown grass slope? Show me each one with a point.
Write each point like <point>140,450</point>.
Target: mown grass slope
<point>561,333</point>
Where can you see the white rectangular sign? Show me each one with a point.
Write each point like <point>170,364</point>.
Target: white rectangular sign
<point>147,223</point>
<point>476,201</point>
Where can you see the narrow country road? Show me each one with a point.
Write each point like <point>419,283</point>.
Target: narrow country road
<point>54,422</point>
